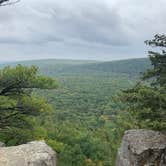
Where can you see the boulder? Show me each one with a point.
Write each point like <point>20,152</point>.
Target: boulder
<point>36,153</point>
<point>2,144</point>
<point>142,148</point>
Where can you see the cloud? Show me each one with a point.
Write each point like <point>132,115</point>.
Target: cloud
<point>112,29</point>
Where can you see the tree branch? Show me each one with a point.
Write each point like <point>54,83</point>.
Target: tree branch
<point>2,2</point>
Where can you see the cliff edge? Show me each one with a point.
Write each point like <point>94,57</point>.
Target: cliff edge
<point>142,148</point>
<point>36,153</point>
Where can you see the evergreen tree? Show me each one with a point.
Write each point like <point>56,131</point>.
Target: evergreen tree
<point>18,105</point>
<point>158,60</point>
<point>147,100</point>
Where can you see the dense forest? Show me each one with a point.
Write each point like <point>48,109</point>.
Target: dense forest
<point>82,108</point>
<point>85,125</point>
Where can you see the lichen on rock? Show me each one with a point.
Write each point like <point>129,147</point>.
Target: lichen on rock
<point>142,148</point>
<point>36,153</point>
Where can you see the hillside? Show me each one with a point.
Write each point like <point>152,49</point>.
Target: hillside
<point>84,128</point>
<point>49,63</point>
<point>131,67</point>
<point>55,67</point>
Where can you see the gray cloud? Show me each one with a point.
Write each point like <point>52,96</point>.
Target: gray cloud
<point>81,29</point>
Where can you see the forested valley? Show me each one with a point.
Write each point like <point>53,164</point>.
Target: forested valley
<point>85,125</point>
<point>82,108</point>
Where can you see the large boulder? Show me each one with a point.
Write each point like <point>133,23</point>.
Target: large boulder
<point>35,153</point>
<point>142,148</point>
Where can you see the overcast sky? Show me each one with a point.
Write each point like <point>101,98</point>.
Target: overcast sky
<point>79,29</point>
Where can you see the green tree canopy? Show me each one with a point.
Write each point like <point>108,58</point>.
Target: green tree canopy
<point>147,100</point>
<point>158,60</point>
<point>16,100</point>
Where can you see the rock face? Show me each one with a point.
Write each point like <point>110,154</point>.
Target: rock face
<point>35,153</point>
<point>2,144</point>
<point>142,148</point>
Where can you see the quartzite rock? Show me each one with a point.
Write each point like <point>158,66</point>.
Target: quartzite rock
<point>35,153</point>
<point>142,148</point>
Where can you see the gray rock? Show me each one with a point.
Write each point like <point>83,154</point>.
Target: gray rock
<point>2,144</point>
<point>142,148</point>
<point>35,153</point>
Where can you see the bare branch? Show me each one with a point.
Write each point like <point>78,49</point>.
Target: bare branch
<point>2,2</point>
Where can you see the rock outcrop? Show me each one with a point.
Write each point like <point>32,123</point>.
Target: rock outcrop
<point>2,144</point>
<point>142,148</point>
<point>35,153</point>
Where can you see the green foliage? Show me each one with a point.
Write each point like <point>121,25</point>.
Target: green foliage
<point>85,127</point>
<point>22,79</point>
<point>15,136</point>
<point>86,123</point>
<point>17,104</point>
<point>147,100</point>
<point>148,105</point>
<point>57,146</point>
<point>158,60</point>
<point>71,67</point>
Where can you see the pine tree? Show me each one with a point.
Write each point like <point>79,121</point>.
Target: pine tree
<point>147,100</point>
<point>158,60</point>
<point>18,105</point>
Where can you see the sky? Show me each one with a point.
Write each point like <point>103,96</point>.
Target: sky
<point>79,29</point>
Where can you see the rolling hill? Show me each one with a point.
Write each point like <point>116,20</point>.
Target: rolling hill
<point>54,67</point>
<point>85,124</point>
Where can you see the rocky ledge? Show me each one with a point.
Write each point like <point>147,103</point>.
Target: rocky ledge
<point>142,148</point>
<point>36,153</point>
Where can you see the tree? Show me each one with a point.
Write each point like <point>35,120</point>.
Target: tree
<point>8,2</point>
<point>158,60</point>
<point>18,105</point>
<point>147,100</point>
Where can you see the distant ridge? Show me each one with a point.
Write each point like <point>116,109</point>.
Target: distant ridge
<point>55,67</point>
<point>55,61</point>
